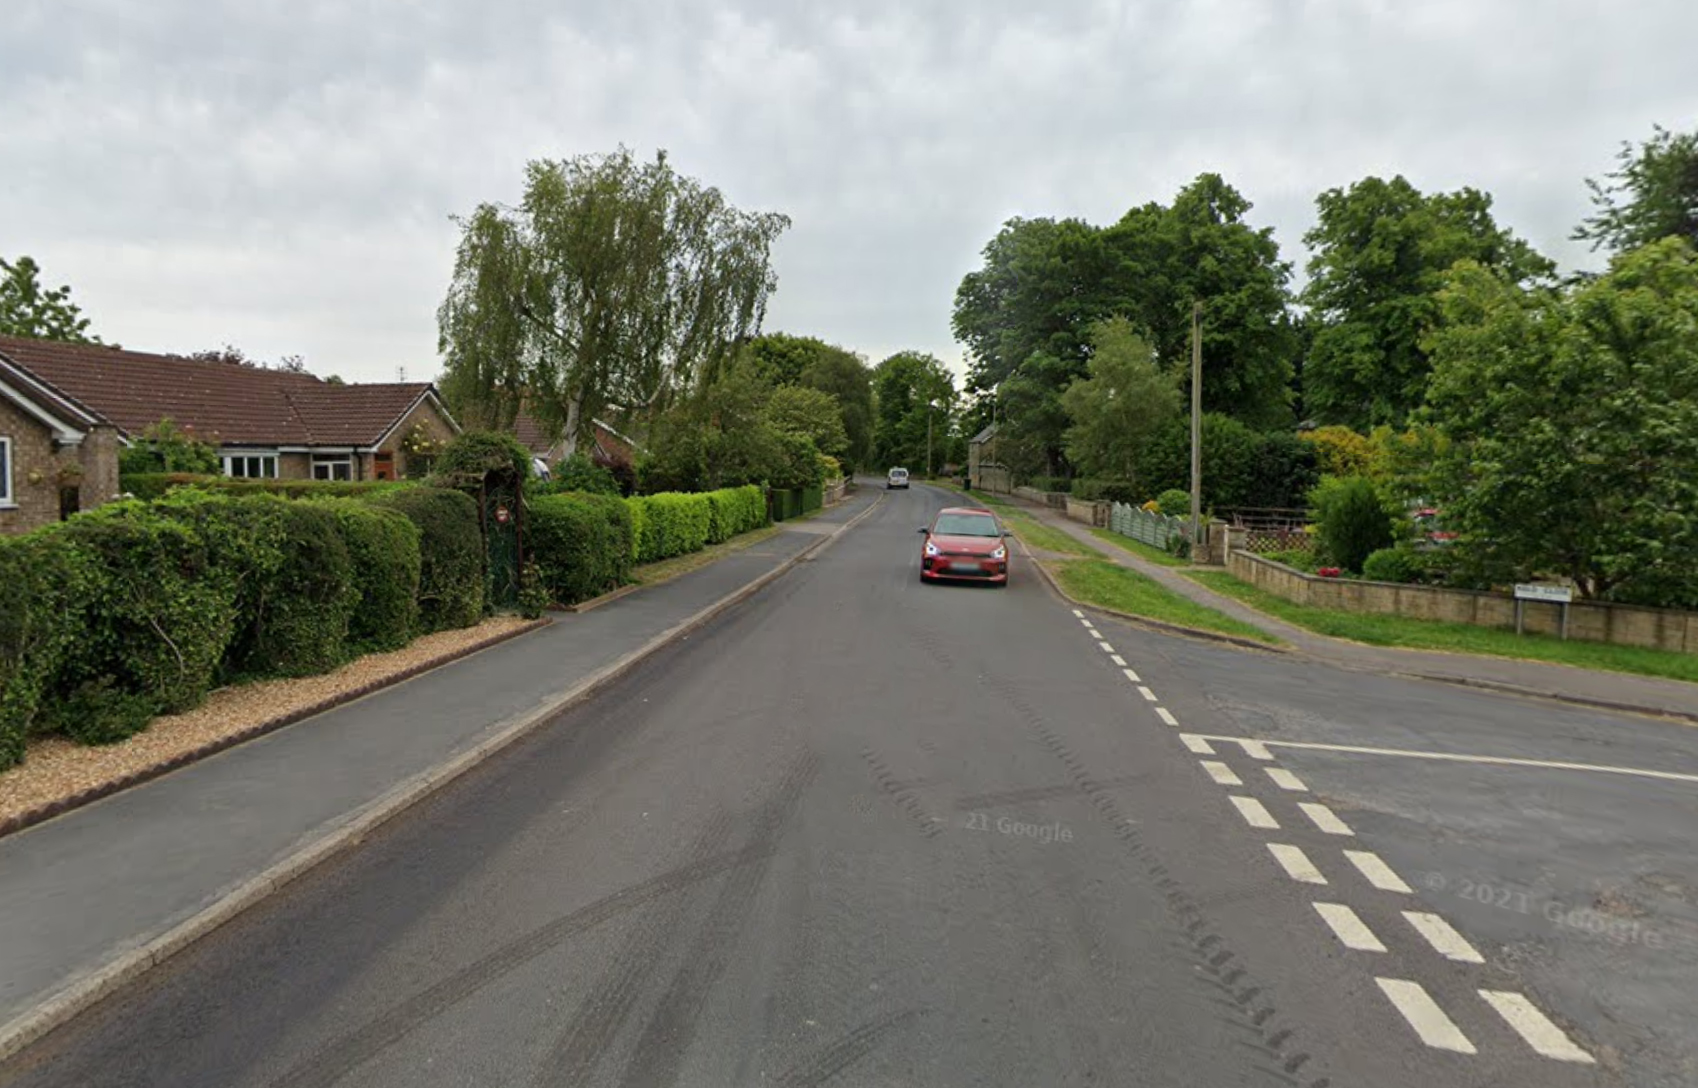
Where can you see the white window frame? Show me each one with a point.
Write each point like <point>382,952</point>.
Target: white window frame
<point>329,462</point>
<point>267,461</point>
<point>8,497</point>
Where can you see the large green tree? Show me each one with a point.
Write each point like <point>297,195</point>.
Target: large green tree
<point>782,359</point>
<point>1121,405</point>
<point>916,398</point>
<point>1380,252</point>
<point>816,416</point>
<point>611,287</point>
<point>1652,194</point>
<point>1572,420</point>
<point>1202,249</point>
<point>30,310</point>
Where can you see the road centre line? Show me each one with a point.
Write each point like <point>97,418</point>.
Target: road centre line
<point>1197,744</point>
<point>1221,773</point>
<point>1078,613</point>
<point>1296,863</point>
<point>1453,757</point>
<point>1351,931</point>
<point>1106,648</point>
<point>1446,941</point>
<point>1424,1015</point>
<point>1118,660</point>
<point>1132,676</point>
<point>1377,872</point>
<point>1535,1027</point>
<point>1149,696</point>
<point>1324,818</point>
<point>1285,780</point>
<point>1255,813</point>
<point>1166,715</point>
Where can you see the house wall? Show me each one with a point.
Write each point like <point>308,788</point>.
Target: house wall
<point>38,470</point>
<point>294,466</point>
<point>424,414</point>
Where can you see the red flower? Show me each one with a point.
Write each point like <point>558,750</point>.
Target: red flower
<point>1329,572</point>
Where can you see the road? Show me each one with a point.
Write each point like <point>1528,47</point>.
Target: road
<point>861,831</point>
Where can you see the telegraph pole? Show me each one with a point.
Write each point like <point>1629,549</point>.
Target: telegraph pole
<point>1196,424</point>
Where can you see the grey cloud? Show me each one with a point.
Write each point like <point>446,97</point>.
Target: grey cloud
<point>280,175</point>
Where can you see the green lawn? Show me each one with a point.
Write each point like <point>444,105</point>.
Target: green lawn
<point>1102,583</point>
<point>1140,549</point>
<point>1035,534</point>
<point>1454,637</point>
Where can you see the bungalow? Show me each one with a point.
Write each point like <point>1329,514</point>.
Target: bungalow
<point>611,450</point>
<point>65,409</point>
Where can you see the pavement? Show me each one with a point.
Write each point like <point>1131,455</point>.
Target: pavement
<point>1605,690</point>
<point>857,830</point>
<point>85,891</point>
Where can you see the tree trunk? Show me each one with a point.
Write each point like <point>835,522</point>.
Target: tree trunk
<point>574,416</point>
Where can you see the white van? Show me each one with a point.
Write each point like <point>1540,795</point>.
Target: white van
<point>898,478</point>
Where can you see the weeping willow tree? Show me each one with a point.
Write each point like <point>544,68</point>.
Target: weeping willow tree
<point>606,291</point>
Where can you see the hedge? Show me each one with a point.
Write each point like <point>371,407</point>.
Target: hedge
<point>451,554</point>
<point>674,523</point>
<point>39,626</point>
<point>581,543</point>
<point>153,485</point>
<point>383,546</point>
<point>734,510</point>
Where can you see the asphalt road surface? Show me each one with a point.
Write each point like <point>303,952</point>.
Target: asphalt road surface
<point>862,831</point>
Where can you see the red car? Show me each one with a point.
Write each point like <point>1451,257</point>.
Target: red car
<point>965,543</point>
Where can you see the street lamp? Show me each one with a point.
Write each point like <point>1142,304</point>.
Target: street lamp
<point>931,405</point>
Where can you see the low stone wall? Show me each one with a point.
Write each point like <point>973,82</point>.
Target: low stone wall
<point>1088,513</point>
<point>1591,621</point>
<point>836,491</point>
<point>1055,500</point>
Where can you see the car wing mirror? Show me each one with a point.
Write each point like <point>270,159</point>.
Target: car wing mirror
<point>925,530</point>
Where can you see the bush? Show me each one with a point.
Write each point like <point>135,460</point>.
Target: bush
<point>158,615</point>
<point>1399,564</point>
<point>299,626</point>
<point>734,510</point>
<point>154,485</point>
<point>40,606</point>
<point>1174,503</point>
<point>164,447</point>
<point>1056,484</point>
<point>1106,490</point>
<point>1282,471</point>
<point>579,473</point>
<point>473,455</point>
<point>383,547</point>
<point>1351,520</point>
<point>673,523</point>
<point>98,711</point>
<point>451,554</point>
<point>581,543</point>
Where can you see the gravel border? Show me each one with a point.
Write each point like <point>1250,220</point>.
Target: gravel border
<point>502,631</point>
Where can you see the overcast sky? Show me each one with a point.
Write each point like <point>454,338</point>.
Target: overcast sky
<point>278,174</point>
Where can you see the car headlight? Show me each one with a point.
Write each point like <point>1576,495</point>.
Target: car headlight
<point>1001,552</point>
<point>931,549</point>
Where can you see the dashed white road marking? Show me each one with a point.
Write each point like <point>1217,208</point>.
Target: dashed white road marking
<point>1118,660</point>
<point>1166,715</point>
<point>1296,863</point>
<point>1424,1015</point>
<point>1255,749</point>
<point>1078,613</point>
<point>1132,676</point>
<point>1149,696</point>
<point>1221,773</point>
<point>1445,940</point>
<point>1453,757</point>
<point>1197,744</point>
<point>1106,648</point>
<point>1351,931</point>
<point>1255,813</point>
<point>1285,780</point>
<point>1324,818</point>
<point>1377,872</point>
<point>1534,1026</point>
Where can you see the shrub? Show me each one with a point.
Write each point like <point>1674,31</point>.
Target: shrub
<point>1282,471</point>
<point>1351,520</point>
<point>40,604</point>
<point>383,548</point>
<point>674,523</point>
<point>300,624</point>
<point>165,447</point>
<point>473,455</point>
<point>581,543</point>
<point>98,711</point>
<point>158,616</point>
<point>153,485</point>
<point>451,554</point>
<point>579,473</point>
<point>1393,565</point>
<point>1057,484</point>
<point>1174,503</point>
<point>1110,490</point>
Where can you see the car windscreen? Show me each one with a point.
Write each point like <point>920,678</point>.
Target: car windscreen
<point>965,525</point>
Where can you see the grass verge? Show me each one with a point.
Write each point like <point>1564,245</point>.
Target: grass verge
<point>1035,534</point>
<point>667,569</point>
<point>1107,585</point>
<point>1461,638</point>
<point>1140,549</point>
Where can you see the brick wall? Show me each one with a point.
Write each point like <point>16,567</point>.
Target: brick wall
<point>1591,621</point>
<point>39,471</point>
<point>425,415</point>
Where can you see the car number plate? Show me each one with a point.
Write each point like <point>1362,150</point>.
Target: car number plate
<point>964,566</point>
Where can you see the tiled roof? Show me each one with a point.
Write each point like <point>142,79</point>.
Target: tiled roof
<point>218,402</point>
<point>611,446</point>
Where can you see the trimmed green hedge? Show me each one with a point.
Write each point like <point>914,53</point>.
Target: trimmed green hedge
<point>581,542</point>
<point>451,554</point>
<point>40,595</point>
<point>674,523</point>
<point>153,485</point>
<point>734,510</point>
<point>384,547</point>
